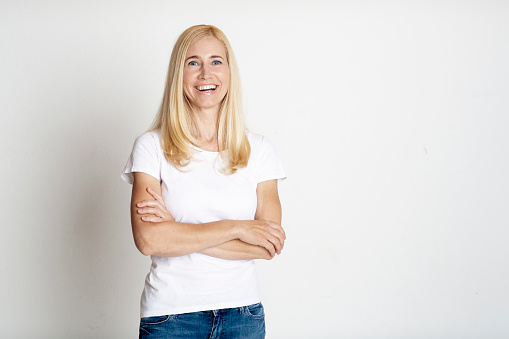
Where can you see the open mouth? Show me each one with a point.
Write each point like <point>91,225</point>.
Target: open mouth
<point>206,88</point>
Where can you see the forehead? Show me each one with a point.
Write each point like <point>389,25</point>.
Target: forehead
<point>206,47</point>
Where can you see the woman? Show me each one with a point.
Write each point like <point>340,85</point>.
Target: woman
<point>205,201</point>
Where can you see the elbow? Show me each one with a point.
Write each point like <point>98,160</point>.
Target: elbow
<point>145,244</point>
<point>149,249</point>
<point>150,241</point>
<point>146,251</point>
<point>144,239</point>
<point>152,247</point>
<point>144,247</point>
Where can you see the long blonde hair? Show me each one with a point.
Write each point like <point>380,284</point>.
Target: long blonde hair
<point>175,118</point>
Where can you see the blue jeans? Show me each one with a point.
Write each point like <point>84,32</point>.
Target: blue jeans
<point>246,322</point>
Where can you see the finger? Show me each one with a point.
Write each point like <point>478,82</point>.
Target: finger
<point>151,218</point>
<point>269,247</point>
<point>145,203</point>
<point>156,195</point>
<point>274,225</point>
<point>273,233</point>
<point>152,211</point>
<point>281,243</point>
<point>276,243</point>
<point>279,234</point>
<point>281,231</point>
<point>149,202</point>
<point>152,205</point>
<point>278,227</point>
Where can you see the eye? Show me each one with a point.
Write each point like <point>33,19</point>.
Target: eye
<point>192,63</point>
<point>217,62</point>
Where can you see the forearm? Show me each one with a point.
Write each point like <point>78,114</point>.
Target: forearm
<point>237,250</point>
<point>172,239</point>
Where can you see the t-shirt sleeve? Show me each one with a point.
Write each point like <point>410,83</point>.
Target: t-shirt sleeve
<point>144,158</point>
<point>269,165</point>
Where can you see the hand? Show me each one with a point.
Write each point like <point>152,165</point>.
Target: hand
<point>267,234</point>
<point>154,210</point>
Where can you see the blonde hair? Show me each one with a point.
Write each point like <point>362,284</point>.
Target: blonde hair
<point>175,117</point>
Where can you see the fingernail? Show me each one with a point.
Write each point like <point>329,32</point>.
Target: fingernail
<point>139,211</point>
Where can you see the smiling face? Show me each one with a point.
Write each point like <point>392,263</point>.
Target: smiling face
<point>206,76</point>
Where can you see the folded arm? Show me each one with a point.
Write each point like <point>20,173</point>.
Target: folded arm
<point>268,209</point>
<point>157,233</point>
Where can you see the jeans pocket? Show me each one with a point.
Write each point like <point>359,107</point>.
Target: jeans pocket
<point>147,321</point>
<point>255,311</point>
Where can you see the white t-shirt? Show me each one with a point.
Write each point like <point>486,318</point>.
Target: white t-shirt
<point>200,194</point>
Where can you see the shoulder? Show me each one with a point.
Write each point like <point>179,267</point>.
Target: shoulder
<point>148,145</point>
<point>259,143</point>
<point>145,157</point>
<point>150,137</point>
<point>256,141</point>
<point>264,158</point>
<point>149,140</point>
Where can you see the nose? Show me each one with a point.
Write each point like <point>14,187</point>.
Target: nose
<point>205,72</point>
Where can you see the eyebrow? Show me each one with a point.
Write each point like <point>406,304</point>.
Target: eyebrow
<point>211,57</point>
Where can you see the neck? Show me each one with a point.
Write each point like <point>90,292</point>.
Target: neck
<point>206,128</point>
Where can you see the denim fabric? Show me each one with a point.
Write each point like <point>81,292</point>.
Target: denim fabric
<point>246,322</point>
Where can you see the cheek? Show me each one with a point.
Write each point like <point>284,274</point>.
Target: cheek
<point>187,94</point>
<point>226,81</point>
<point>185,80</point>
<point>188,76</point>
<point>187,87</point>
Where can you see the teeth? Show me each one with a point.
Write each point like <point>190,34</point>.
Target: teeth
<point>206,87</point>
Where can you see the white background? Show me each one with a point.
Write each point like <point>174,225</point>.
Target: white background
<point>390,118</point>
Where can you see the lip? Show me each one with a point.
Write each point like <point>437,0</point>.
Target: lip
<point>206,93</point>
